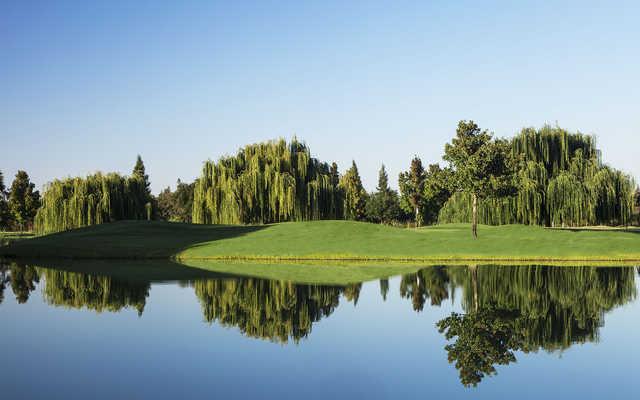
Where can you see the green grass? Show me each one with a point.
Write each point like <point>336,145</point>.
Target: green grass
<point>330,240</point>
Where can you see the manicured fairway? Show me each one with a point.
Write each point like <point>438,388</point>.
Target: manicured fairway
<point>330,240</point>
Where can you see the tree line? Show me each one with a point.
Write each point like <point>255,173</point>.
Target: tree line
<point>545,176</point>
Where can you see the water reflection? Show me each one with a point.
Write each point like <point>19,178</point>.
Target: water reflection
<point>504,310</point>
<point>268,309</point>
<point>527,309</point>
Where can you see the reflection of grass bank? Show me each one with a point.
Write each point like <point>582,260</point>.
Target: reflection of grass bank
<point>323,241</point>
<point>329,274</point>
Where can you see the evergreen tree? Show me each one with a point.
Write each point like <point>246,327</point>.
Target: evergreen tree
<point>139,172</point>
<point>383,206</point>
<point>354,194</point>
<point>4,207</point>
<point>412,189</point>
<point>24,201</point>
<point>337,197</point>
<point>480,165</point>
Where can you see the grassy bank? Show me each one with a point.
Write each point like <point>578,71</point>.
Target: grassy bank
<point>330,240</point>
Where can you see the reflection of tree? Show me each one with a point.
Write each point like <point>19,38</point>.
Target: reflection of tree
<point>384,288</point>
<point>98,293</point>
<point>528,308</point>
<point>484,339</point>
<point>4,279</point>
<point>274,310</point>
<point>352,292</point>
<point>23,280</point>
<point>427,283</point>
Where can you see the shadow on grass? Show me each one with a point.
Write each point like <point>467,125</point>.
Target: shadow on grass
<point>124,240</point>
<point>630,229</point>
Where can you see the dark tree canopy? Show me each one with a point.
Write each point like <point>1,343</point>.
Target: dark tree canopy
<point>24,201</point>
<point>176,206</point>
<point>5,215</point>
<point>411,185</point>
<point>383,206</point>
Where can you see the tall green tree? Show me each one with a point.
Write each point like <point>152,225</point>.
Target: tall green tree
<point>139,172</point>
<point>176,206</point>
<point>383,206</point>
<point>411,185</point>
<point>5,216</point>
<point>636,203</point>
<point>437,190</point>
<point>24,201</point>
<point>480,165</point>
<point>337,195</point>
<point>354,194</point>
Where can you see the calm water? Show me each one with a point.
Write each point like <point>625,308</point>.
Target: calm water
<point>158,331</point>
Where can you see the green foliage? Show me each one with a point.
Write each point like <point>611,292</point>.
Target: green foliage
<point>266,182</point>
<point>23,281</point>
<point>5,215</point>
<point>436,192</point>
<point>355,196</point>
<point>559,180</point>
<point>93,292</point>
<point>480,164</point>
<point>411,185</point>
<point>266,309</point>
<point>483,339</point>
<point>24,201</point>
<point>77,202</point>
<point>526,308</point>
<point>139,172</point>
<point>176,206</point>
<point>383,206</point>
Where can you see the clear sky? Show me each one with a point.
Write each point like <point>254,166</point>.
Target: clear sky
<point>86,87</point>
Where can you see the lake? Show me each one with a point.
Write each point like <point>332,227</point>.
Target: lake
<point>115,330</point>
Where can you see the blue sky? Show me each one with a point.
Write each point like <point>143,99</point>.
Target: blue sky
<point>86,87</point>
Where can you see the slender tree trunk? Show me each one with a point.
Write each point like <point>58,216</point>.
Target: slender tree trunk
<point>474,221</point>
<point>417,216</point>
<point>474,284</point>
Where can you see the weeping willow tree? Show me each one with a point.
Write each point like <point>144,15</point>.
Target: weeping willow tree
<point>99,198</point>
<point>266,182</point>
<point>560,181</point>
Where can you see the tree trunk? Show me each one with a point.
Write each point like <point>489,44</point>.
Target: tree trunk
<point>474,218</point>
<point>417,217</point>
<point>474,284</point>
